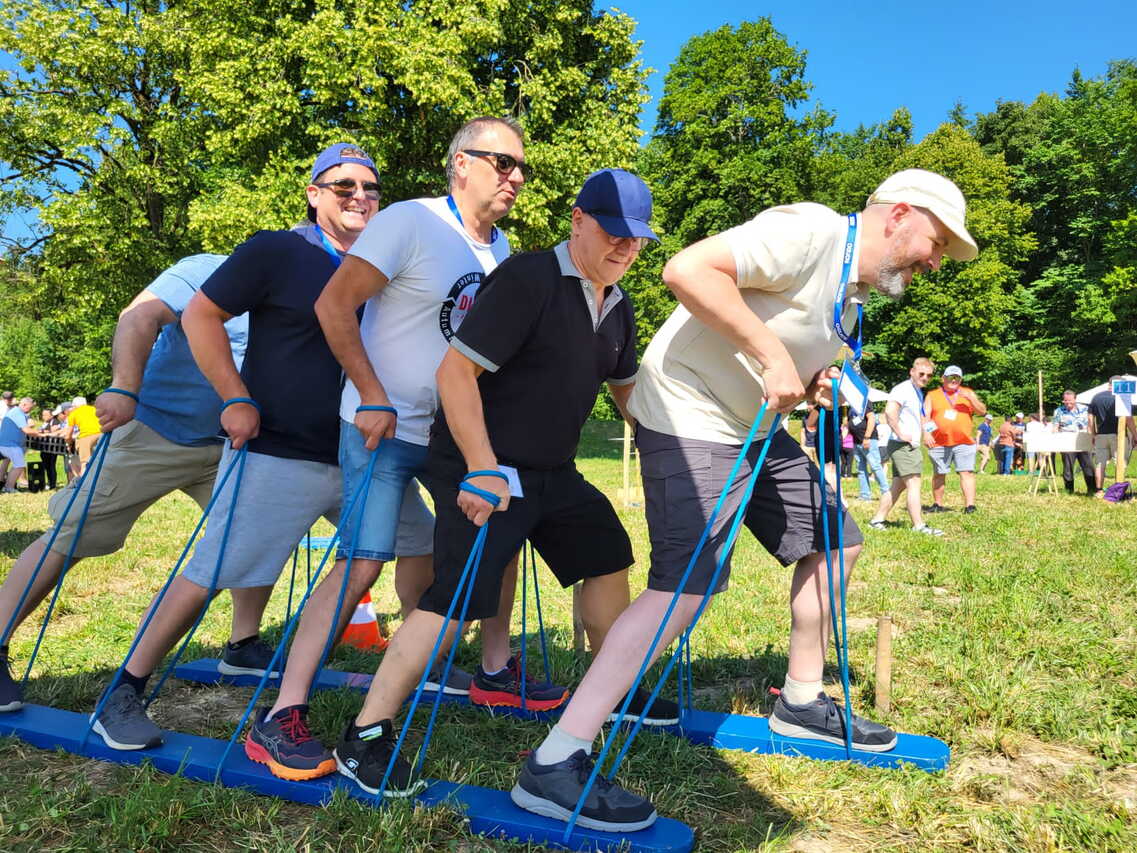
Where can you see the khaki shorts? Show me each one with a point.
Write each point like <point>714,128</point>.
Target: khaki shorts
<point>139,468</point>
<point>85,446</point>
<point>1105,449</point>
<point>907,461</point>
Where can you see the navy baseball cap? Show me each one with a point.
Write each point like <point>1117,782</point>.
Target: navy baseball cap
<point>337,155</point>
<point>619,201</point>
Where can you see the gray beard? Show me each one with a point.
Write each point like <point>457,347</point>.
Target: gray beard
<point>889,281</point>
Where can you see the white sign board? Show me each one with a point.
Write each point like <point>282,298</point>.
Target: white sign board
<point>1057,442</point>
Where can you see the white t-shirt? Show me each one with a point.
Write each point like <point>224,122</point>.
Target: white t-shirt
<point>911,418</point>
<point>694,383</point>
<point>434,269</point>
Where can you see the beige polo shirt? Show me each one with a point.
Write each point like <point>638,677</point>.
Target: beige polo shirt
<point>694,383</point>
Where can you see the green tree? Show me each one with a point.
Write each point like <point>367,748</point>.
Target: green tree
<point>141,132</point>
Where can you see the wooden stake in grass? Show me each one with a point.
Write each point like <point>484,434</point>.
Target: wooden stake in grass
<point>883,698</point>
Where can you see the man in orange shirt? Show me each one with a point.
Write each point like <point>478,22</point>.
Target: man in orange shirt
<point>951,406</point>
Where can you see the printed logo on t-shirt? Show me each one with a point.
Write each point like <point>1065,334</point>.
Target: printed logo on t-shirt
<point>458,302</point>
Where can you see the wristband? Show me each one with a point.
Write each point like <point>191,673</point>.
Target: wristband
<point>247,400</point>
<point>390,409</point>
<point>122,391</point>
<point>489,497</point>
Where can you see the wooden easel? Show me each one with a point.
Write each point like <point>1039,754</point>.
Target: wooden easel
<point>1045,469</point>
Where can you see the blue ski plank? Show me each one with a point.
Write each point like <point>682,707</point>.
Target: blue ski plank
<point>722,731</point>
<point>490,812</point>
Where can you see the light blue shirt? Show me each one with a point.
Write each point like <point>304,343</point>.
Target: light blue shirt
<point>176,400</point>
<point>11,428</point>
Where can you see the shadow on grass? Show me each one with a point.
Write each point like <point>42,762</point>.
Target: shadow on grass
<point>13,542</point>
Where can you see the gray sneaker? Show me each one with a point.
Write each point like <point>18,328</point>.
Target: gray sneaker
<point>927,530</point>
<point>123,724</point>
<point>251,659</point>
<point>457,682</point>
<point>11,694</point>
<point>823,720</point>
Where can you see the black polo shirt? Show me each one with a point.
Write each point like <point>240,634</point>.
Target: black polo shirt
<point>277,276</point>
<point>533,329</point>
<point>1103,408</point>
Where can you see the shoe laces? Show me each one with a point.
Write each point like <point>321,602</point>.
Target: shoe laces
<point>295,727</point>
<point>583,768</point>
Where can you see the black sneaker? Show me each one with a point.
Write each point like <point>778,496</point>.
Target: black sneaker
<point>11,693</point>
<point>362,755</point>
<point>123,723</point>
<point>970,508</point>
<point>936,508</point>
<point>662,713</point>
<point>250,659</point>
<point>457,682</point>
<point>284,744</point>
<point>823,720</point>
<point>552,790</point>
<point>504,688</point>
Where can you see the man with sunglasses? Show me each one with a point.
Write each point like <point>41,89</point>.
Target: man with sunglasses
<point>416,269</point>
<point>290,476</point>
<point>951,407</point>
<point>911,430</point>
<point>764,309</point>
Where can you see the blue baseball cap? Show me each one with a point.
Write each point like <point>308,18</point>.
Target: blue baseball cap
<point>619,201</point>
<point>337,155</point>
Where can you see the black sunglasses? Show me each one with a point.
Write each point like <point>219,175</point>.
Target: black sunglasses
<point>504,163</point>
<point>345,188</point>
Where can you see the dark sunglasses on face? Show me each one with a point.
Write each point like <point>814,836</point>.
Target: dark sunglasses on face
<point>345,188</point>
<point>504,163</point>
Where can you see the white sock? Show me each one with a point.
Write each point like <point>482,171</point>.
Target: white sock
<point>800,692</point>
<point>559,745</point>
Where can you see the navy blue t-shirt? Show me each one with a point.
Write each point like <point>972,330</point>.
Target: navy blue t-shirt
<point>277,276</point>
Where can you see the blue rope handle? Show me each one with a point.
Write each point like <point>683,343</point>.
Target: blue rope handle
<point>469,572</point>
<point>684,645</point>
<point>248,401</point>
<point>489,497</point>
<point>242,454</point>
<point>98,456</point>
<point>290,628</point>
<point>390,409</point>
<point>112,390</point>
<point>11,626</point>
<point>667,615</point>
<point>540,618</point>
<point>158,600</point>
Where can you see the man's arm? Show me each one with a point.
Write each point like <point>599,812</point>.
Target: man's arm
<point>457,378</point>
<point>892,415</point>
<point>977,405</point>
<point>870,427</point>
<point>704,279</point>
<point>1092,425</point>
<point>620,395</point>
<point>139,324</point>
<point>354,283</point>
<point>204,325</point>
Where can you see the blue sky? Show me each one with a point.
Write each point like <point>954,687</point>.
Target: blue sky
<point>869,58</point>
<point>866,59</point>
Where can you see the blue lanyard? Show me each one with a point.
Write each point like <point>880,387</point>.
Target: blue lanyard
<point>919,394</point>
<point>458,216</point>
<point>839,302</point>
<point>328,247</point>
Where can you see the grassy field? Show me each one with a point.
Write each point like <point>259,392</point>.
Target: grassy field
<point>1015,641</point>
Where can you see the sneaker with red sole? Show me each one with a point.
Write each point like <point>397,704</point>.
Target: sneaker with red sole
<point>504,689</point>
<point>284,744</point>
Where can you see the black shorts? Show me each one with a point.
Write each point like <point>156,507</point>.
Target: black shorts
<point>568,520</point>
<point>683,479</point>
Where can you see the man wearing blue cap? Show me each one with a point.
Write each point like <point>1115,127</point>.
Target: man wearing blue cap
<point>517,383</point>
<point>291,477</point>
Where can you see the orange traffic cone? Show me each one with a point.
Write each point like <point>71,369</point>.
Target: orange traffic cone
<point>363,630</point>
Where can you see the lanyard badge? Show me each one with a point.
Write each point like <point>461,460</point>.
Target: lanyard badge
<point>854,386</point>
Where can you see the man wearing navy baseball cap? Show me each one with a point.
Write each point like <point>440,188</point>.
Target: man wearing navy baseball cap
<point>517,383</point>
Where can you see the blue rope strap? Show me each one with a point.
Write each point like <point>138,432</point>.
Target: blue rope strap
<point>158,600</point>
<point>390,409</point>
<point>123,391</point>
<point>672,605</point>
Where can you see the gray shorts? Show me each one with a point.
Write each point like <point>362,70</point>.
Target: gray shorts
<point>415,536</point>
<point>962,456</point>
<point>683,479</point>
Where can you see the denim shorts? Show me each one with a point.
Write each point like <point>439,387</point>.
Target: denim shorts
<point>370,528</point>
